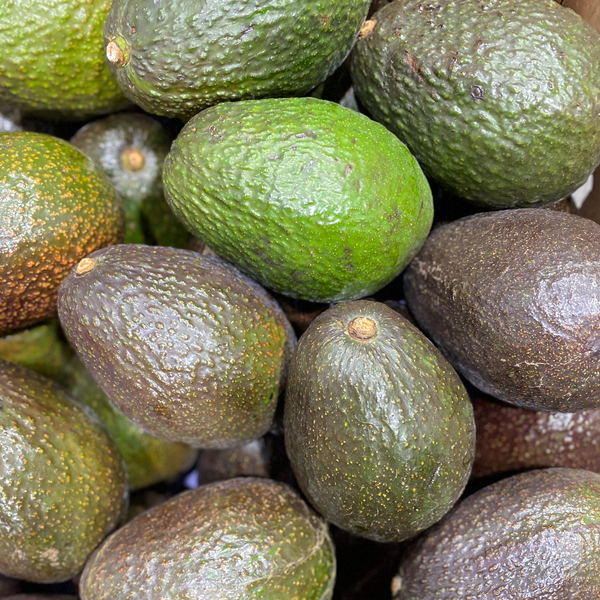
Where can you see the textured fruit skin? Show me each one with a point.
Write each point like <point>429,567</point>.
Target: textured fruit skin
<point>185,345</point>
<point>533,536</point>
<point>63,484</point>
<point>512,299</point>
<point>107,141</point>
<point>244,539</point>
<point>148,459</point>
<point>309,198</point>
<point>183,58</point>
<point>510,438</point>
<point>380,434</point>
<point>497,99</point>
<point>52,60</point>
<point>56,207</point>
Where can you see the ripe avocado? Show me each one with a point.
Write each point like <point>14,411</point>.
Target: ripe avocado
<point>378,427</point>
<point>497,99</point>
<point>528,537</point>
<point>512,300</point>
<point>311,199</point>
<point>185,345</point>
<point>177,59</point>
<point>244,538</point>
<point>56,206</point>
<point>63,483</point>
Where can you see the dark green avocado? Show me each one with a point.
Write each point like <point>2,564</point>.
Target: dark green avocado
<point>378,427</point>
<point>512,300</point>
<point>244,538</point>
<point>499,100</point>
<point>177,59</point>
<point>63,483</point>
<point>185,345</point>
<point>529,537</point>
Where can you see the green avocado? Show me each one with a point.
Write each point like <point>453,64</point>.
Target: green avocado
<point>63,483</point>
<point>241,539</point>
<point>313,200</point>
<point>175,59</point>
<point>379,429</point>
<point>498,100</point>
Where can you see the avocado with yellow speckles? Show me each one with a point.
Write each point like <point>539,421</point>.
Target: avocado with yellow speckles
<point>63,483</point>
<point>56,206</point>
<point>244,538</point>
<point>378,427</point>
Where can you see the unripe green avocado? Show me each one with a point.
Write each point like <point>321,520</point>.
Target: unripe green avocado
<point>309,198</point>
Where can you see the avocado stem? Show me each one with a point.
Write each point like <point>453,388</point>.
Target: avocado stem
<point>367,28</point>
<point>362,329</point>
<point>85,265</point>
<point>117,52</point>
<point>133,159</point>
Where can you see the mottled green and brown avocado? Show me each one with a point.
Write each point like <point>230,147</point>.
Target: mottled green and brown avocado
<point>56,206</point>
<point>378,426</point>
<point>531,536</point>
<point>242,538</point>
<point>512,300</point>
<point>185,345</point>
<point>63,483</point>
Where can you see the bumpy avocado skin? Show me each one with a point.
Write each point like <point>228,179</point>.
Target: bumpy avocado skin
<point>63,484</point>
<point>179,59</point>
<point>309,198</point>
<point>527,537</point>
<point>56,206</point>
<point>498,101</point>
<point>512,299</point>
<point>52,60</point>
<point>241,539</point>
<point>380,433</point>
<point>185,345</point>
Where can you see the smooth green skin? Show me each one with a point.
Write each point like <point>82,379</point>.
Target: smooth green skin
<point>380,433</point>
<point>63,484</point>
<point>309,198</point>
<point>184,57</point>
<point>148,459</point>
<point>148,217</point>
<point>241,539</point>
<point>533,536</point>
<point>56,206</point>
<point>498,101</point>
<point>52,60</point>
<point>186,346</point>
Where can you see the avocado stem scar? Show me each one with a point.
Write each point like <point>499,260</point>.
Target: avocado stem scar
<point>362,328</point>
<point>117,52</point>
<point>133,159</point>
<point>85,265</point>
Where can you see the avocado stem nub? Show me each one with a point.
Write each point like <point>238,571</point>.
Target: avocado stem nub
<point>85,265</point>
<point>362,328</point>
<point>367,28</point>
<point>117,52</point>
<point>133,159</point>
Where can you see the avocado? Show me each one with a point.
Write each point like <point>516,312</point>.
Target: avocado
<point>328,205</point>
<point>498,101</point>
<point>527,537</point>
<point>148,459</point>
<point>177,59</point>
<point>185,345</point>
<point>52,60</point>
<point>510,438</point>
<point>131,148</point>
<point>512,300</point>
<point>379,429</point>
<point>56,206</point>
<point>63,484</point>
<point>242,538</point>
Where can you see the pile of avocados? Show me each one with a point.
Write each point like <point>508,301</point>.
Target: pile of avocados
<point>299,300</point>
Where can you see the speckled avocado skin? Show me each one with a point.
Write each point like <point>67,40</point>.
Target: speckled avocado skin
<point>309,198</point>
<point>52,61</point>
<point>242,539</point>
<point>380,433</point>
<point>56,206</point>
<point>179,59</point>
<point>63,483</point>
<point>512,300</point>
<point>497,99</point>
<point>185,345</point>
<point>534,536</point>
